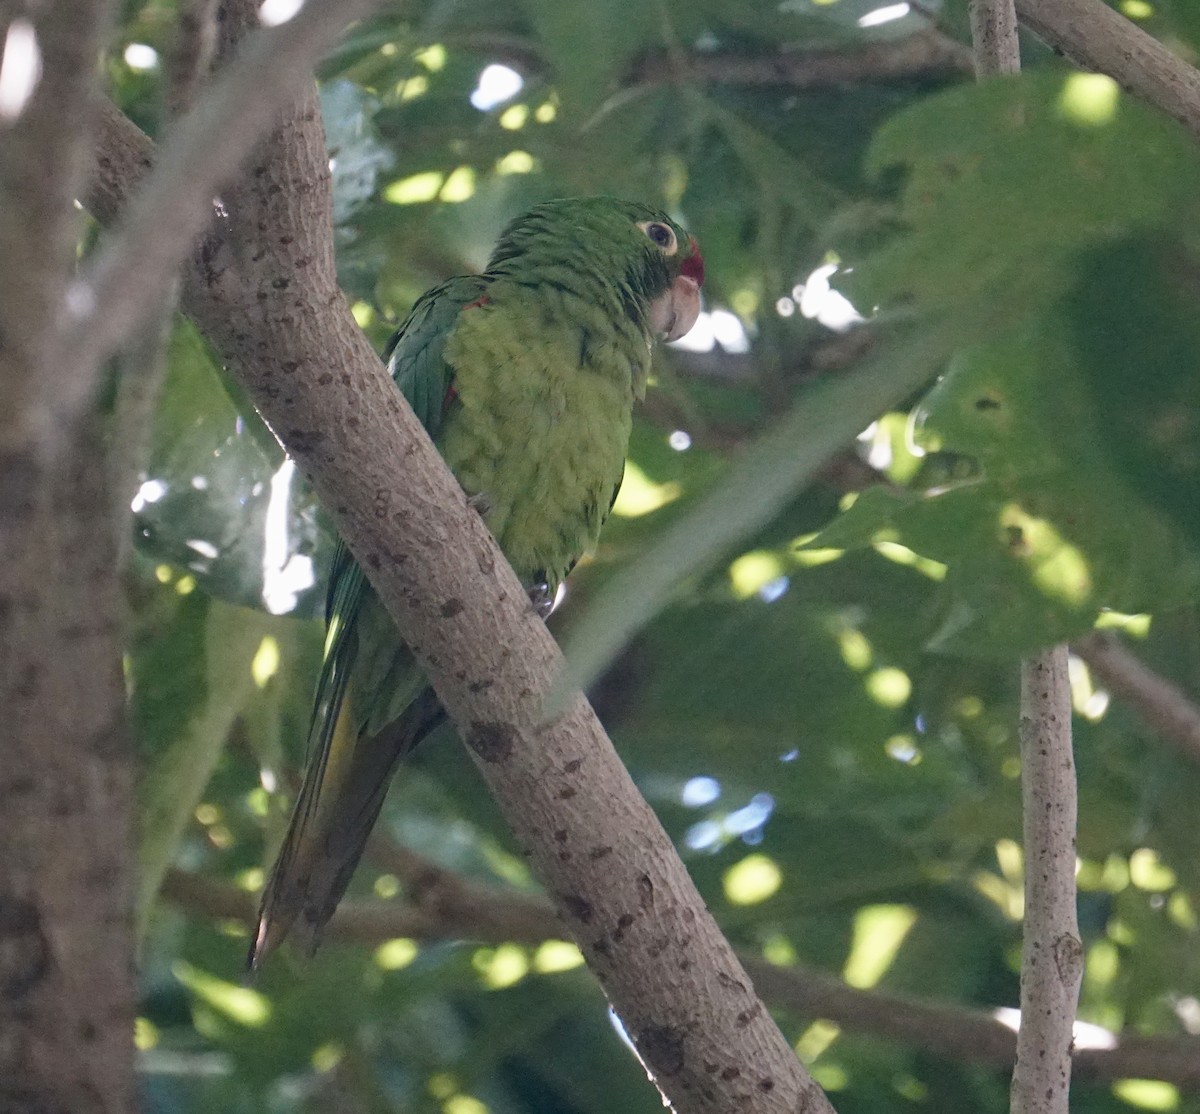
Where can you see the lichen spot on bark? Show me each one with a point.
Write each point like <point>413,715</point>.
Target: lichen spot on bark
<point>493,742</point>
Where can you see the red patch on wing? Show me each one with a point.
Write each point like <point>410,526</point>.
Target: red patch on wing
<point>482,300</point>
<point>693,265</point>
<point>450,395</point>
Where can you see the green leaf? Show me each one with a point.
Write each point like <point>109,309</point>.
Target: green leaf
<point>1008,181</point>
<point>872,511</point>
<point>781,176</point>
<point>220,501</point>
<point>1135,323</point>
<point>356,155</point>
<point>179,765</point>
<point>590,44</point>
<point>1044,534</point>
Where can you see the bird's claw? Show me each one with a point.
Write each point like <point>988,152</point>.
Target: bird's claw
<point>542,599</point>
<point>480,502</point>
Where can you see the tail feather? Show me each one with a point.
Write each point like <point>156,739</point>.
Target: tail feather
<point>339,802</point>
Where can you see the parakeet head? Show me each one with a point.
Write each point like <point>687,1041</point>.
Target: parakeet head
<point>654,266</point>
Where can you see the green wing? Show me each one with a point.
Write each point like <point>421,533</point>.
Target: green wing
<point>350,754</point>
<point>414,356</point>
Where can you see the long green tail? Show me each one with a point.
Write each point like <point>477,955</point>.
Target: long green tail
<point>339,802</point>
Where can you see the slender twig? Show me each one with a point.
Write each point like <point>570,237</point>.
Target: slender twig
<point>994,34</point>
<point>1052,955</point>
<point>448,898</point>
<point>926,54</point>
<point>489,915</point>
<point>968,1036</point>
<point>1098,38</point>
<point>1166,708</point>
<point>923,55</point>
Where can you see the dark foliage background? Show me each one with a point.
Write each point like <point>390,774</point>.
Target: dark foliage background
<point>825,718</point>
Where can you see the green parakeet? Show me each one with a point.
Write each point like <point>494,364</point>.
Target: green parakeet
<point>525,378</point>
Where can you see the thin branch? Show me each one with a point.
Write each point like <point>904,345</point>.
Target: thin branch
<point>924,55</point>
<point>369,923</point>
<point>489,915</point>
<point>273,310</point>
<point>994,33</point>
<point>1166,708</point>
<point>1052,955</point>
<point>190,56</point>
<point>1098,38</point>
<point>447,898</point>
<point>143,357</point>
<point>42,145</point>
<point>1051,952</point>
<point>200,155</point>
<point>970,1036</point>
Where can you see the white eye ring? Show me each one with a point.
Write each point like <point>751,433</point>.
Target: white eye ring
<point>661,235</point>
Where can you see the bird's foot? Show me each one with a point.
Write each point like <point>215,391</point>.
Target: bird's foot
<point>481,502</point>
<point>542,599</point>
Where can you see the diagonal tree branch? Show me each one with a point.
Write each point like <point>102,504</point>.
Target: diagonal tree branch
<point>925,54</point>
<point>439,905</point>
<point>1098,38</point>
<point>1165,708</point>
<point>202,152</point>
<point>922,55</point>
<point>640,922</point>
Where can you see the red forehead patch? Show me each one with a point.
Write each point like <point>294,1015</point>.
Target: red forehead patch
<point>693,265</point>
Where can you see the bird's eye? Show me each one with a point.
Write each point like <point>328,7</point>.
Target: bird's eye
<point>661,235</point>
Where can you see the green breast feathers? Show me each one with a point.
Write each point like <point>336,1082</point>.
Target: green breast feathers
<point>539,425</point>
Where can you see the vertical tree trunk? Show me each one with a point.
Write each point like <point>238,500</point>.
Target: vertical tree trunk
<point>66,987</point>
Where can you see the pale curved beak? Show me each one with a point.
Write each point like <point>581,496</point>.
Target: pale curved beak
<point>674,312</point>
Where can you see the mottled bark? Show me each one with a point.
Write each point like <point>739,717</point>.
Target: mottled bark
<point>66,986</point>
<point>994,34</point>
<point>1051,954</point>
